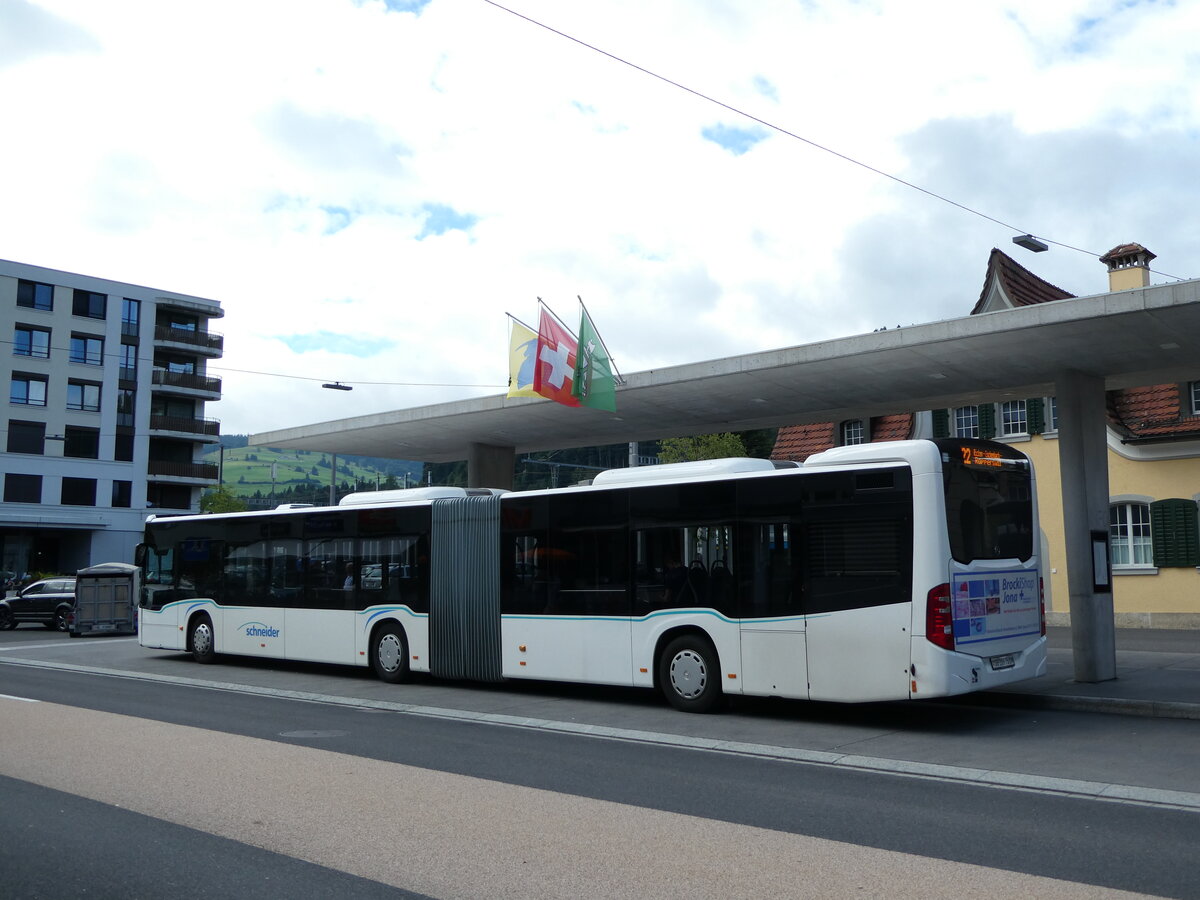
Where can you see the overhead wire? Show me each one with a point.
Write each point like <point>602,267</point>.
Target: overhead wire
<point>784,131</point>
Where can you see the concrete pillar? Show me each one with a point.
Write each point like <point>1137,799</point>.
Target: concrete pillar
<point>490,466</point>
<point>1083,460</point>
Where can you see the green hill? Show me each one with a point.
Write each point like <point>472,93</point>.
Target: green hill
<point>276,476</point>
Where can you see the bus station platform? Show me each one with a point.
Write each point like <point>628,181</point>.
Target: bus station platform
<point>1158,674</point>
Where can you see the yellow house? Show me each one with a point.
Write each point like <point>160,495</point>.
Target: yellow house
<point>1153,452</point>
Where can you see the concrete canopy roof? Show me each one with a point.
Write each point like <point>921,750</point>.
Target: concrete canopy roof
<point>1145,336</point>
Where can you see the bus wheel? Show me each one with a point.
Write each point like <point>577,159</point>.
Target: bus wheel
<point>204,645</point>
<point>389,655</point>
<point>689,674</point>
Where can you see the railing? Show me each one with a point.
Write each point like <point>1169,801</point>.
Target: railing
<point>167,378</point>
<point>208,339</point>
<point>185,423</point>
<point>199,471</point>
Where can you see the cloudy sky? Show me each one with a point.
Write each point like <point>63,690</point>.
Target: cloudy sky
<point>367,187</point>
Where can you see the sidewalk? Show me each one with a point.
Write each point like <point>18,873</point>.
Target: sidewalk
<point>1158,674</point>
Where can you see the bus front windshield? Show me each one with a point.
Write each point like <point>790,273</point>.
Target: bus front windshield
<point>989,501</point>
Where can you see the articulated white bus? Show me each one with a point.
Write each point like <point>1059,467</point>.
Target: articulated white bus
<point>879,571</point>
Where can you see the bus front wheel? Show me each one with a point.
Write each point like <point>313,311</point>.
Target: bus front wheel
<point>204,645</point>
<point>389,654</point>
<point>689,674</point>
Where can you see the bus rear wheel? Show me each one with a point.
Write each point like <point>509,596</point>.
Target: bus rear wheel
<point>202,640</point>
<point>689,674</point>
<point>389,654</point>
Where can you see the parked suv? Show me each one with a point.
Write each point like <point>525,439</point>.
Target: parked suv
<point>49,601</point>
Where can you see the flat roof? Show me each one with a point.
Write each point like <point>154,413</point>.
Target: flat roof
<point>1129,338</point>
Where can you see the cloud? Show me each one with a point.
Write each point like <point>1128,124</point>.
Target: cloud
<point>335,142</point>
<point>28,32</point>
<point>391,179</point>
<point>362,346</point>
<point>736,140</point>
<point>439,219</point>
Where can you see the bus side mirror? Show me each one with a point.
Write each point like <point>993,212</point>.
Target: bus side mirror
<point>139,556</point>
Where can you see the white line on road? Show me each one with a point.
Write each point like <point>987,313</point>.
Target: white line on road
<point>22,699</point>
<point>1040,784</point>
<point>59,645</point>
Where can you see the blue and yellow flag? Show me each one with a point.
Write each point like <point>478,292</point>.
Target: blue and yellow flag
<point>522,356</point>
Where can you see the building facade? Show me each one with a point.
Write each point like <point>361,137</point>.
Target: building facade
<point>1153,461</point>
<point>108,387</point>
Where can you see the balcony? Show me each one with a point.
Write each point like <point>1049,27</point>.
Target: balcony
<point>191,471</point>
<point>206,342</point>
<point>205,428</point>
<point>186,382</point>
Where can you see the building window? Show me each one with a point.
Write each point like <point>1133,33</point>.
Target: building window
<point>131,314</point>
<point>129,362</point>
<point>180,365</point>
<point>1129,531</point>
<point>1052,414</point>
<point>89,304</point>
<point>22,488</point>
<point>27,390</point>
<point>87,349</point>
<point>26,437</point>
<point>853,432</point>
<point>123,447</point>
<point>1013,419</point>
<point>122,494</point>
<point>78,492</point>
<point>83,395</point>
<point>28,341</point>
<point>966,422</point>
<point>82,443</point>
<point>126,406</point>
<point>1194,389</point>
<point>33,295</point>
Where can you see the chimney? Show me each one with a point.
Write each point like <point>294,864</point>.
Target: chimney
<point>1128,267</point>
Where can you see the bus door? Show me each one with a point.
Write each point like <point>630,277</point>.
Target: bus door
<point>857,546</point>
<point>773,627</point>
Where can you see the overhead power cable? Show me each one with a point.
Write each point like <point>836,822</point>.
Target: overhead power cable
<point>781,130</point>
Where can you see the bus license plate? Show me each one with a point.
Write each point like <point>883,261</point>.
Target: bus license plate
<point>1002,662</point>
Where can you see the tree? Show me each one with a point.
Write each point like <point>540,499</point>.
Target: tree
<point>220,500</point>
<point>701,446</point>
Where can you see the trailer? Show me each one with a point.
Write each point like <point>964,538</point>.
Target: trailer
<point>105,600</point>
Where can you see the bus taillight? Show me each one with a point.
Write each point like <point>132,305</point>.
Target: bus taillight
<point>939,619</point>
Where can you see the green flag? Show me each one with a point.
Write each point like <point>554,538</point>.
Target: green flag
<point>593,384</point>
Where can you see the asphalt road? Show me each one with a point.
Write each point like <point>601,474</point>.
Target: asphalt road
<point>204,792</point>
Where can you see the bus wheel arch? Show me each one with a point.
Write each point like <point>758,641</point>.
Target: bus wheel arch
<point>201,638</point>
<point>688,670</point>
<point>388,652</point>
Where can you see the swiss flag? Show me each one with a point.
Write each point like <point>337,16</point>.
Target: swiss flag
<point>554,370</point>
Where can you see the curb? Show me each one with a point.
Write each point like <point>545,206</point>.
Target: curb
<point>1158,709</point>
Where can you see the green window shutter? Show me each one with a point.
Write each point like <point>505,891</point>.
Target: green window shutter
<point>1175,533</point>
<point>1035,415</point>
<point>987,421</point>
<point>941,423</point>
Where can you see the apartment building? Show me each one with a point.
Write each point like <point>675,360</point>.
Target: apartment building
<point>108,387</point>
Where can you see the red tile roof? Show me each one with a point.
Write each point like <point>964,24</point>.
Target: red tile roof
<point>799,442</point>
<point>892,428</point>
<point>1125,250</point>
<point>1152,412</point>
<point>1020,285</point>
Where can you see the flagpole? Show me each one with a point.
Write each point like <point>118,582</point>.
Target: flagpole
<point>519,322</point>
<point>596,331</point>
<point>558,320</point>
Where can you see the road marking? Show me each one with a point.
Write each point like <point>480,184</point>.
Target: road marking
<point>58,645</point>
<point>1039,784</point>
<point>22,699</point>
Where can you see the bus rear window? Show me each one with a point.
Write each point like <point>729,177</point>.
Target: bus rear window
<point>989,501</point>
